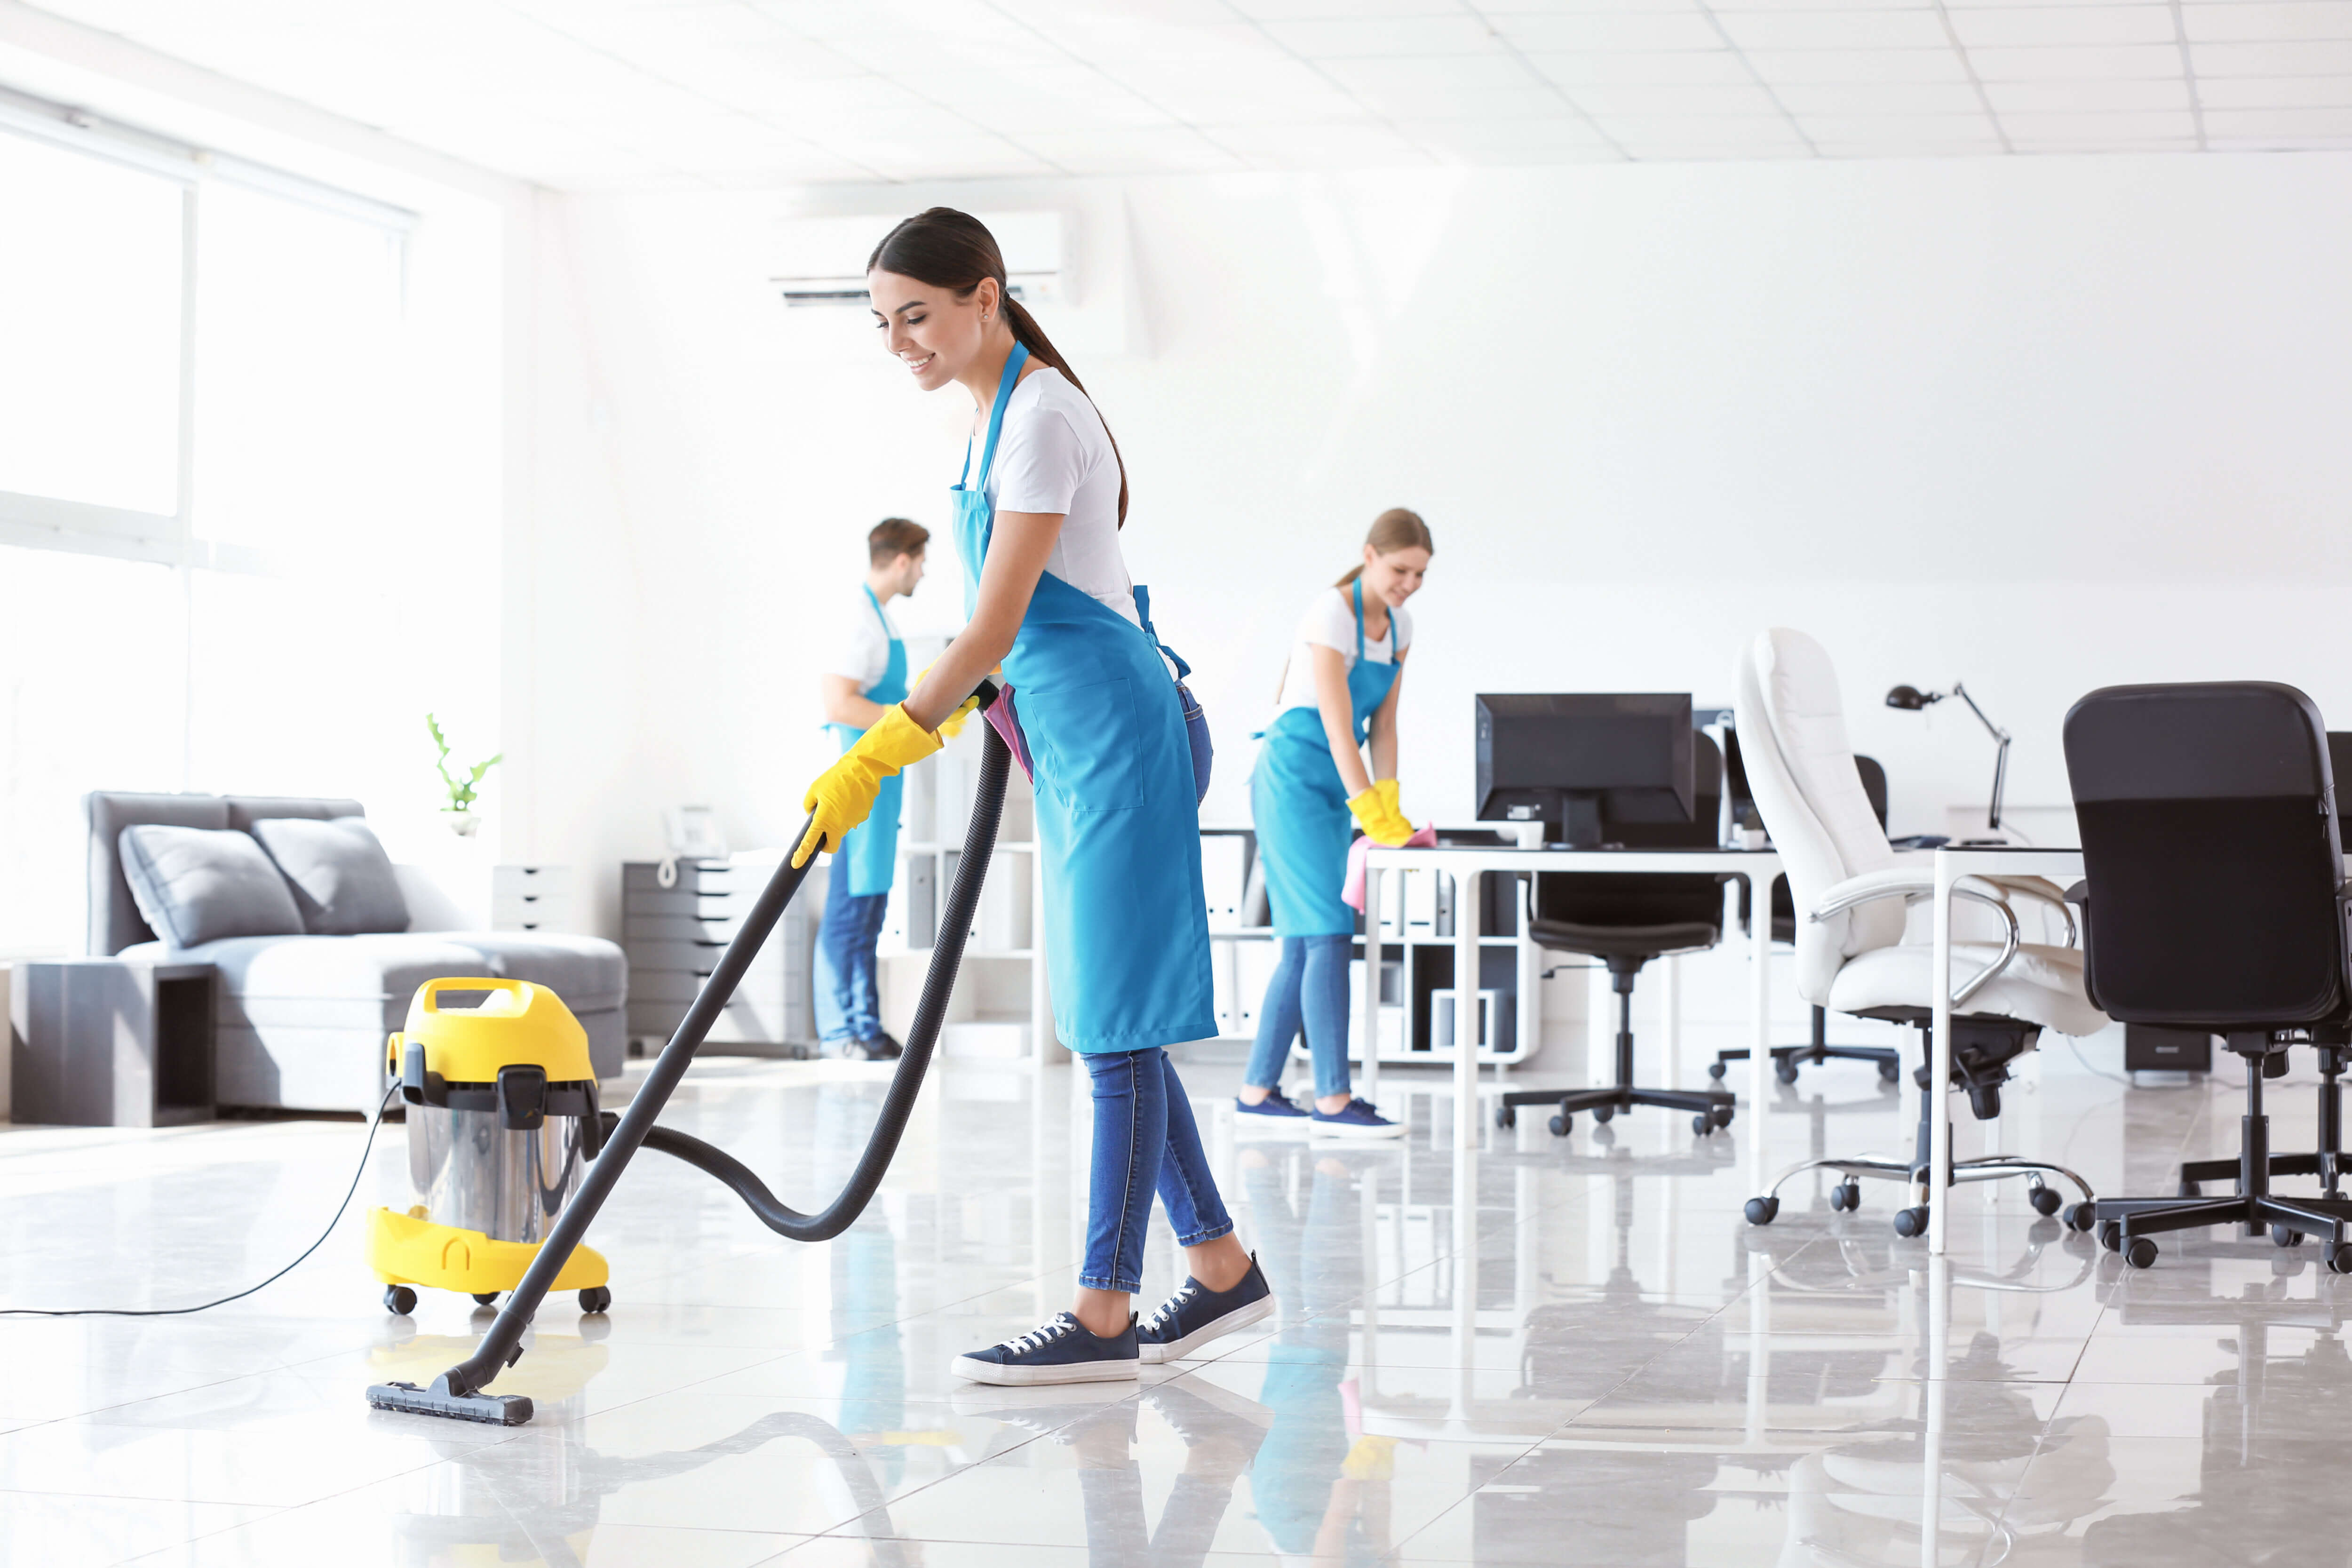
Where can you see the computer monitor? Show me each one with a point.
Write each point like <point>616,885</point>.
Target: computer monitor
<point>1580,763</point>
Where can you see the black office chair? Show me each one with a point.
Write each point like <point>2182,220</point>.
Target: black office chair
<point>1625,921</point>
<point>2214,899</point>
<point>1787,1059</point>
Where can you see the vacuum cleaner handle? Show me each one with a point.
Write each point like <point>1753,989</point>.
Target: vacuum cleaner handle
<point>501,1346</point>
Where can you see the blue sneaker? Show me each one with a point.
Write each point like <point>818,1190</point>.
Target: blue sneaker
<point>1060,1349</point>
<point>1357,1118</point>
<point>1275,1105</point>
<point>1196,1314</point>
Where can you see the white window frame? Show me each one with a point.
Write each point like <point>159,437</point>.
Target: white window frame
<point>50,522</point>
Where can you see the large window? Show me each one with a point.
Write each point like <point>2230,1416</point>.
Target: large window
<point>204,462</point>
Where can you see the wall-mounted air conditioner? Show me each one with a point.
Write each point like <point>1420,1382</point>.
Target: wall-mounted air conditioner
<point>823,259</point>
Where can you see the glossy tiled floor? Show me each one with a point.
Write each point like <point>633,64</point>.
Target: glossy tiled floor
<point>1548,1351</point>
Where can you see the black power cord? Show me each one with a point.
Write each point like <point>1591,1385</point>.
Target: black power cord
<point>365,1148</point>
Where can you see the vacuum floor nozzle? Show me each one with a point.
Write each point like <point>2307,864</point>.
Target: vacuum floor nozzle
<point>491,1409</point>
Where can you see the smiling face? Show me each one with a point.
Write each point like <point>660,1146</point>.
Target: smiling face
<point>1397,576</point>
<point>932,330</point>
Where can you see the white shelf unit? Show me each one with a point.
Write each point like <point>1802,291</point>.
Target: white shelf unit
<point>1001,1009</point>
<point>1417,942</point>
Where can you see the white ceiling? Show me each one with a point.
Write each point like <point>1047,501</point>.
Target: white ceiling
<point>602,93</point>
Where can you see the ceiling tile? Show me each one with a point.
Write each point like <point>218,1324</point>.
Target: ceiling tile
<point>1364,144</point>
<point>1062,98</point>
<point>1941,63</point>
<point>1894,97</point>
<point>1169,151</point>
<point>1631,29</point>
<point>1340,10</point>
<point>967,157</point>
<point>2063,25</point>
<point>1378,36</point>
<point>2271,60</point>
<point>2130,62</point>
<point>1907,130</point>
<point>1720,98</point>
<point>2102,129</point>
<point>1876,29</point>
<point>1641,65</point>
<point>1892,147</point>
<point>1549,134</point>
<point>2279,125</point>
<point>2085,97</point>
<point>1447,86</point>
<point>2266,21</point>
<point>2280,92</point>
<point>1695,130</point>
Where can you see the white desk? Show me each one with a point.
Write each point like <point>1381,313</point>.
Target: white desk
<point>2062,867</point>
<point>1467,863</point>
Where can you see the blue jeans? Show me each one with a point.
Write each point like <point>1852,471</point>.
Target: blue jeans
<point>1309,991</point>
<point>848,1005</point>
<point>1144,1140</point>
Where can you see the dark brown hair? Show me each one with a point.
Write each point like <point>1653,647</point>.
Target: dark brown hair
<point>893,537</point>
<point>1395,528</point>
<point>948,249</point>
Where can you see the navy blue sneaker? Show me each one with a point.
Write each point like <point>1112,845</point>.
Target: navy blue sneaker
<point>1357,1118</point>
<point>1273,1106</point>
<point>1196,1314</point>
<point>1060,1349</point>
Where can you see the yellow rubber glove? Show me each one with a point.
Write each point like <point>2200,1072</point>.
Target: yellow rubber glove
<point>953,725</point>
<point>843,794</point>
<point>1371,1460</point>
<point>1379,820</point>
<point>1387,788</point>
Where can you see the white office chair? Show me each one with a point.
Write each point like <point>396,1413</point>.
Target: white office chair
<point>1863,928</point>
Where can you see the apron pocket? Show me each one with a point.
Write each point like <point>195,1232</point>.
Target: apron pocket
<point>1084,740</point>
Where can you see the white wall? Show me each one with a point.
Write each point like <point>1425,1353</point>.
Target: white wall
<point>2041,424</point>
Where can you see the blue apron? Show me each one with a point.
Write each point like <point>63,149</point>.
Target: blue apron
<point>1300,807</point>
<point>869,854</point>
<point>1118,824</point>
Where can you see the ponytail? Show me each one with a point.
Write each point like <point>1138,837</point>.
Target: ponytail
<point>1395,528</point>
<point>949,249</point>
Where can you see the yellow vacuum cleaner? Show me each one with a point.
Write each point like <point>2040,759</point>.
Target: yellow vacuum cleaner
<point>503,1122</point>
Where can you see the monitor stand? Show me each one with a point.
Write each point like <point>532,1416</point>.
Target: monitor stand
<point>1580,815</point>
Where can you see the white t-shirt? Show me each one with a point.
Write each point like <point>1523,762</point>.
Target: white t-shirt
<point>1330,621</point>
<point>861,649</point>
<point>1054,455</point>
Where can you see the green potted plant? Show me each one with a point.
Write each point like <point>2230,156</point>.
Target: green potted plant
<point>461,789</point>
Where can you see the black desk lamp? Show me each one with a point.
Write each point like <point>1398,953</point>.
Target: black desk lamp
<point>1911,699</point>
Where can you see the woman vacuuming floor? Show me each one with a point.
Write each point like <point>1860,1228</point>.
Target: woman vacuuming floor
<point>1127,938</point>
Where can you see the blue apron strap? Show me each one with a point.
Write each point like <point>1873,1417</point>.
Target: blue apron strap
<point>1011,378</point>
<point>1359,586</point>
<point>1143,613</point>
<point>877,610</point>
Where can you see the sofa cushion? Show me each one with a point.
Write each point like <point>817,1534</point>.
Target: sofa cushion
<point>367,980</point>
<point>198,885</point>
<point>343,880</point>
<point>589,972</point>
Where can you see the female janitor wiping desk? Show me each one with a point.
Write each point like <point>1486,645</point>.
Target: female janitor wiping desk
<point>1127,936</point>
<point>1339,690</point>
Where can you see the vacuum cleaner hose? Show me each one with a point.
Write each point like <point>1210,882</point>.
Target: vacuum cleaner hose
<point>459,1391</point>
<point>939,985</point>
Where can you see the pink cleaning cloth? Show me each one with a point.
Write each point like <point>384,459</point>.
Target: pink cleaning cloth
<point>1353,895</point>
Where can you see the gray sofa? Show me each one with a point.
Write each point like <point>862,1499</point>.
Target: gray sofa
<point>302,1019</point>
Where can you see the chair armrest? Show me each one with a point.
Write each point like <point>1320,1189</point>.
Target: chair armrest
<point>2045,890</point>
<point>1906,882</point>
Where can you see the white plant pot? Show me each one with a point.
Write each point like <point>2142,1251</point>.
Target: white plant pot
<point>462,823</point>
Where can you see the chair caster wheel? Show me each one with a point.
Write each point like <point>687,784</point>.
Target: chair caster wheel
<point>1911,1222</point>
<point>2339,1257</point>
<point>1763,1211</point>
<point>2111,1237</point>
<point>1601,1113</point>
<point>2285,1236</point>
<point>484,1297</point>
<point>596,1298</point>
<point>1702,1124</point>
<point>399,1301</point>
<point>1506,1116</point>
<point>1714,1071</point>
<point>1785,1071</point>
<point>1560,1125</point>
<point>2083,1217</point>
<point>2141,1252</point>
<point>2045,1200</point>
<point>1888,1072</point>
<point>1722,1114</point>
<point>1845,1198</point>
